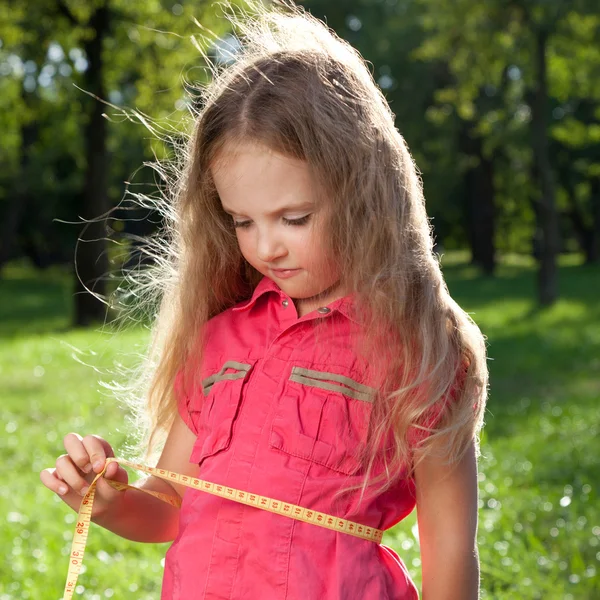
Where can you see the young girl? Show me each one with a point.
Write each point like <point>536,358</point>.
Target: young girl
<point>308,349</point>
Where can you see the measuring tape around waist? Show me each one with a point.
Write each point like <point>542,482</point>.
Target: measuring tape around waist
<point>263,502</point>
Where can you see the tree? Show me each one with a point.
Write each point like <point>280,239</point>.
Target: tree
<point>483,39</point>
<point>131,54</point>
<point>92,264</point>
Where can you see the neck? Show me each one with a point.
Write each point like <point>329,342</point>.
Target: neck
<point>307,305</point>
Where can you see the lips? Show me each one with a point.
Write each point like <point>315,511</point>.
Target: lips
<point>284,273</point>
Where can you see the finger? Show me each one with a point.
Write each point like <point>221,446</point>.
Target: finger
<point>114,471</point>
<point>106,490</point>
<point>66,494</point>
<point>98,450</point>
<point>70,474</point>
<point>120,474</point>
<point>73,444</point>
<point>50,479</point>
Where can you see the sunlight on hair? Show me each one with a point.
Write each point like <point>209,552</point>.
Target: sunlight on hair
<point>325,109</point>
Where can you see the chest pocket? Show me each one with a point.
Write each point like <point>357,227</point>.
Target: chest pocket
<point>222,398</point>
<point>322,417</point>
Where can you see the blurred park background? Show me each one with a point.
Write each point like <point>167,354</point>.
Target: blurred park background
<point>499,101</point>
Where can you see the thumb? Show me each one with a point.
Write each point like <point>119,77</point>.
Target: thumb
<point>105,488</point>
<point>115,471</point>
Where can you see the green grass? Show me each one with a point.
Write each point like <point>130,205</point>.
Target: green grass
<point>539,532</point>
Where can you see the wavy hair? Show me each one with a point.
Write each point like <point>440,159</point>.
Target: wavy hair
<point>298,89</point>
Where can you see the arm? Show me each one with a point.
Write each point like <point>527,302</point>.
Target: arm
<point>143,518</point>
<point>447,518</point>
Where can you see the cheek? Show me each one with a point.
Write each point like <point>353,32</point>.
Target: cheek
<point>245,245</point>
<point>303,243</point>
<point>319,255</point>
<point>312,244</point>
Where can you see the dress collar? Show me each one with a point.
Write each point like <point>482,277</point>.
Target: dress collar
<point>343,305</point>
<point>264,286</point>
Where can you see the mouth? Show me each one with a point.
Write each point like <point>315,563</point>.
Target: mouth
<point>284,272</point>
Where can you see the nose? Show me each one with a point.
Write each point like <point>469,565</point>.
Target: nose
<point>269,246</point>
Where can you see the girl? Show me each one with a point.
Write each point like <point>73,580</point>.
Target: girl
<point>307,348</point>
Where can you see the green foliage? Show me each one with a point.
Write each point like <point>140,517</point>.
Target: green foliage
<point>149,60</point>
<point>451,69</point>
<point>489,49</point>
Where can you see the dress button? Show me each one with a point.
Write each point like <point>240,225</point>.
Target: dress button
<point>285,303</point>
<point>323,310</point>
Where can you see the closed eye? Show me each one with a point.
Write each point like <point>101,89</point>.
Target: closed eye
<point>300,221</point>
<point>241,224</point>
<point>294,222</point>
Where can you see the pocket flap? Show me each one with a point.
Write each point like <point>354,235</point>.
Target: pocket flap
<point>333,383</point>
<point>239,371</point>
<point>327,427</point>
<point>220,409</point>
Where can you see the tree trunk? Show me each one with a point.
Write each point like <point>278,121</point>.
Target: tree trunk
<point>91,263</point>
<point>583,233</point>
<point>481,210</point>
<point>594,253</point>
<point>17,203</point>
<point>547,214</point>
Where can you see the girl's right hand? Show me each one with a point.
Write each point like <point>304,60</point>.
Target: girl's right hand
<point>75,471</point>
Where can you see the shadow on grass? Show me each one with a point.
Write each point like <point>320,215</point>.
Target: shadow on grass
<point>519,283</point>
<point>544,368</point>
<point>33,302</point>
<point>536,351</point>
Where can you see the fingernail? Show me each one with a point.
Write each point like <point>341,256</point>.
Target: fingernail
<point>98,465</point>
<point>84,490</point>
<point>87,468</point>
<point>62,490</point>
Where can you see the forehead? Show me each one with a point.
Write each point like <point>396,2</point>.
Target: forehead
<point>248,175</point>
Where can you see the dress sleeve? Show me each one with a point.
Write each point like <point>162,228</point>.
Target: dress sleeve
<point>431,419</point>
<point>188,404</point>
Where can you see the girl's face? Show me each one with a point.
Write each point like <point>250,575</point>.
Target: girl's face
<point>279,227</point>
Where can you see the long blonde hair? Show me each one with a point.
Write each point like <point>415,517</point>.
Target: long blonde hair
<point>298,89</point>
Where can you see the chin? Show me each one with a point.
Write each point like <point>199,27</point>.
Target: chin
<point>293,289</point>
<point>299,292</point>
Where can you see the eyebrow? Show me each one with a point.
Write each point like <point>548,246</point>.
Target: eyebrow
<point>275,213</point>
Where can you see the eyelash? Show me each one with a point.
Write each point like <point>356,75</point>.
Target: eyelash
<point>292,222</point>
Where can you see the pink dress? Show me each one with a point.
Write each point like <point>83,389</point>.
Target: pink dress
<point>282,405</point>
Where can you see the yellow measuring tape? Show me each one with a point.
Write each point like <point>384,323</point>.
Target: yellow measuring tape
<point>263,502</point>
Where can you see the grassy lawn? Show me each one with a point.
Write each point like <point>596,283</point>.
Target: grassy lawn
<point>539,533</point>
